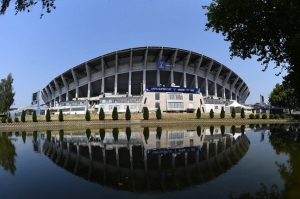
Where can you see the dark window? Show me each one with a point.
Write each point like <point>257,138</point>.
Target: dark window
<point>157,104</point>
<point>157,96</point>
<point>201,101</point>
<point>191,97</point>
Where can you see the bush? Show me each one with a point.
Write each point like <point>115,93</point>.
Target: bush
<point>61,116</point>
<point>212,129</point>
<point>3,119</point>
<point>9,120</point>
<point>128,113</point>
<point>211,114</point>
<point>16,119</point>
<point>87,115</point>
<point>34,118</point>
<point>115,114</point>
<point>222,114</point>
<point>198,114</point>
<point>23,116</point>
<point>48,116</point>
<point>243,113</point>
<point>283,116</point>
<point>101,114</point>
<point>158,113</point>
<point>251,116</point>
<point>233,112</point>
<point>257,116</point>
<point>276,116</point>
<point>264,116</point>
<point>145,113</point>
<point>271,116</point>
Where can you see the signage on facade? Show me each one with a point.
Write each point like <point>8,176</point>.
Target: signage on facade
<point>171,151</point>
<point>161,64</point>
<point>172,89</point>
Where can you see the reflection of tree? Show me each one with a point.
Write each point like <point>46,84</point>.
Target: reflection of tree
<point>7,154</point>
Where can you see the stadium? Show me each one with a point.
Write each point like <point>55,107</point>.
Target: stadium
<point>170,78</point>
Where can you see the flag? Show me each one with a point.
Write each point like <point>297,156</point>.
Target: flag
<point>262,101</point>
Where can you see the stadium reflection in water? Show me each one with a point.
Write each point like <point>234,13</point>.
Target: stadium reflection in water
<point>147,161</point>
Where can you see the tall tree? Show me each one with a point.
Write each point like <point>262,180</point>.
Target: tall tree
<point>211,114</point>
<point>198,114</point>
<point>34,118</point>
<point>233,112</point>
<point>87,115</point>
<point>23,116</point>
<point>61,116</point>
<point>7,154</point>
<point>6,93</point>
<point>115,114</point>
<point>48,116</point>
<point>101,114</point>
<point>158,113</point>
<point>243,113</point>
<point>145,113</point>
<point>222,114</point>
<point>128,113</point>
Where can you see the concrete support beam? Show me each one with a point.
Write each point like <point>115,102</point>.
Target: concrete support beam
<point>209,68</point>
<point>233,84</point>
<point>226,78</point>
<point>198,64</point>
<point>218,72</point>
<point>103,75</point>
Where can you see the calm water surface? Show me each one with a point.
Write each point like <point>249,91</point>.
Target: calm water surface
<point>150,163</point>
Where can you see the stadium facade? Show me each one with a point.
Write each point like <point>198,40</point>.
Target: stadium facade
<point>170,78</point>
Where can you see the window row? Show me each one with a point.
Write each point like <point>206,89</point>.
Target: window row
<point>175,105</point>
<point>119,100</point>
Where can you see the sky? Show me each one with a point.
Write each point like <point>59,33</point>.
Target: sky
<point>37,50</point>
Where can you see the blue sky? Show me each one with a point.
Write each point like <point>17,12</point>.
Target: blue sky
<point>36,50</point>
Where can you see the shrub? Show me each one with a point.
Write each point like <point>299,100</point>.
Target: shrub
<point>3,119</point>
<point>233,112</point>
<point>251,116</point>
<point>276,116</point>
<point>257,116</point>
<point>264,116</point>
<point>283,116</point>
<point>23,116</point>
<point>146,134</point>
<point>211,114</point>
<point>222,114</point>
<point>9,120</point>
<point>232,129</point>
<point>48,116</point>
<point>101,114</point>
<point>34,119</point>
<point>211,129</point>
<point>198,114</point>
<point>251,126</point>
<point>198,131</point>
<point>243,129</point>
<point>87,115</point>
<point>271,116</point>
<point>115,115</point>
<point>128,133</point>
<point>145,113</point>
<point>257,126</point>
<point>222,129</point>
<point>16,119</point>
<point>128,113</point>
<point>61,116</point>
<point>158,113</point>
<point>158,132</point>
<point>243,113</point>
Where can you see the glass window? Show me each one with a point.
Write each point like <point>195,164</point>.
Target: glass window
<point>118,106</point>
<point>132,107</point>
<point>111,107</point>
<point>157,104</point>
<point>157,97</point>
<point>102,106</point>
<point>125,106</point>
<point>110,101</point>
<point>191,97</point>
<point>216,107</point>
<point>103,101</point>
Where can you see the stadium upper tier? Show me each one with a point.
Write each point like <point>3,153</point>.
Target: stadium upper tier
<point>131,70</point>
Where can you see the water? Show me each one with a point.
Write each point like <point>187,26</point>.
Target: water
<point>174,163</point>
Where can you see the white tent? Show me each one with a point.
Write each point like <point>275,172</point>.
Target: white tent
<point>235,105</point>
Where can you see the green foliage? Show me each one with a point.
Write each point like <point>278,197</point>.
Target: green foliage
<point>6,93</point>
<point>48,135</point>
<point>198,114</point>
<point>34,118</point>
<point>264,116</point>
<point>243,113</point>
<point>3,119</point>
<point>198,131</point>
<point>211,114</point>
<point>9,120</point>
<point>257,126</point>
<point>7,154</point>
<point>222,113</point>
<point>158,113</point>
<point>128,113</point>
<point>251,116</point>
<point>115,114</point>
<point>61,116</point>
<point>61,135</point>
<point>34,135</point>
<point>257,116</point>
<point>282,116</point>
<point>222,130</point>
<point>158,132</point>
<point>128,133</point>
<point>233,112</point>
<point>271,116</point>
<point>17,134</point>
<point>101,114</point>
<point>87,115</point>
<point>276,116</point>
<point>145,113</point>
<point>243,129</point>
<point>88,134</point>
<point>264,126</point>
<point>24,137</point>
<point>232,129</point>
<point>48,116</point>
<point>115,133</point>
<point>16,119</point>
<point>211,129</point>
<point>102,134</point>
<point>146,134</point>
<point>23,116</point>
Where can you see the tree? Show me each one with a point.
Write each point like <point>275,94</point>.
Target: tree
<point>158,132</point>
<point>198,114</point>
<point>243,113</point>
<point>222,130</point>
<point>146,134</point>
<point>211,129</point>
<point>88,134</point>
<point>101,114</point>
<point>6,93</point>
<point>198,131</point>
<point>34,119</point>
<point>211,113</point>
<point>87,115</point>
<point>61,116</point>
<point>102,134</point>
<point>233,129</point>
<point>48,116</point>
<point>145,113</point>
<point>128,113</point>
<point>34,135</point>
<point>61,135</point>
<point>115,133</point>
<point>23,116</point>
<point>222,114</point>
<point>27,5</point>
<point>7,154</point>
<point>128,133</point>
<point>115,115</point>
<point>158,113</point>
<point>233,112</point>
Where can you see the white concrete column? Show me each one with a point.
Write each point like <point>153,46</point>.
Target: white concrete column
<point>67,96</point>
<point>184,79</point>
<point>76,92</point>
<point>158,77</point>
<point>144,80</point>
<point>206,87</point>
<point>89,90</point>
<point>196,81</point>
<point>129,83</point>
<point>231,95</point>
<point>207,150</point>
<point>216,90</point>
<point>224,93</point>
<point>116,84</point>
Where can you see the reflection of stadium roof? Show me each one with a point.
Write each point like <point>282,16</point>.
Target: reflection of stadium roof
<point>113,72</point>
<point>147,173</point>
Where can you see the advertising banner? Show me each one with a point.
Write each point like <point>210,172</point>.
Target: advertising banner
<point>172,89</point>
